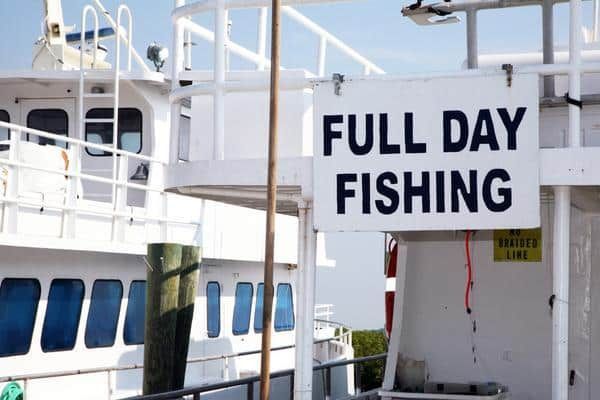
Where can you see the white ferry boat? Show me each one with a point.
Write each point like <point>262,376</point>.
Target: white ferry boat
<point>84,163</point>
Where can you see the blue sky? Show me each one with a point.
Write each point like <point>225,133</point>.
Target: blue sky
<point>374,27</point>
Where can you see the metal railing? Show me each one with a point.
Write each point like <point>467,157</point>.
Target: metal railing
<point>12,200</point>
<point>344,336</point>
<point>249,382</point>
<point>183,27</point>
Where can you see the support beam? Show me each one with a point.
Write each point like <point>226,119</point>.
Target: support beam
<point>548,43</point>
<point>300,311</point>
<point>188,287</point>
<point>472,62</point>
<point>307,248</point>
<point>396,334</point>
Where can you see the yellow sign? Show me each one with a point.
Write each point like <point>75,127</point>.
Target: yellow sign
<point>518,245</point>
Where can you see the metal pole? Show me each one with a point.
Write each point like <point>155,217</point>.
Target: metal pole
<point>265,364</point>
<point>219,81</point>
<point>176,68</point>
<point>548,43</point>
<point>300,311</point>
<point>261,45</point>
<point>472,61</point>
<point>562,214</point>
<point>596,21</point>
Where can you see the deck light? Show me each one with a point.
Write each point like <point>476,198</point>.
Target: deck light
<point>157,54</point>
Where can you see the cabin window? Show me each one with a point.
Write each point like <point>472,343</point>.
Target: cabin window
<point>4,132</point>
<point>284,310</point>
<point>62,314</point>
<point>213,309</point>
<point>258,308</point>
<point>242,308</point>
<point>184,137</point>
<point>51,120</point>
<point>129,135</point>
<point>18,306</point>
<point>104,313</point>
<point>135,315</point>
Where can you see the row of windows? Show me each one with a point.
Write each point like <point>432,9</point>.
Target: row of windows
<point>55,120</point>
<point>284,308</point>
<point>19,300</point>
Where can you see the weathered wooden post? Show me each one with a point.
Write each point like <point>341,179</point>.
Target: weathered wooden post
<point>162,300</point>
<point>188,286</point>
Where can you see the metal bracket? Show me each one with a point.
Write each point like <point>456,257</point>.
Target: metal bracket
<point>509,73</point>
<point>338,79</point>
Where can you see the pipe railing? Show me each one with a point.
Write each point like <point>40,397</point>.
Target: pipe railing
<point>72,206</point>
<point>344,336</point>
<point>249,382</point>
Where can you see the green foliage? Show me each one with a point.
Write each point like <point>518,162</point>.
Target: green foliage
<point>368,343</point>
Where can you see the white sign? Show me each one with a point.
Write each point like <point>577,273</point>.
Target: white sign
<point>436,154</point>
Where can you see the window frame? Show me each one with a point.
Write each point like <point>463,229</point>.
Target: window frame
<point>127,311</point>
<point>218,310</point>
<point>78,316</point>
<point>246,324</point>
<point>293,326</point>
<point>27,122</point>
<point>35,311</point>
<point>118,314</point>
<point>259,329</point>
<point>5,112</point>
<point>119,132</point>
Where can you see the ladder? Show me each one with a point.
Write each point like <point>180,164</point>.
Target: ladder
<point>119,167</point>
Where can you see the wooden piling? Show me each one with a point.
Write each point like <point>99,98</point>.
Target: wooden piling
<point>188,287</point>
<point>162,300</point>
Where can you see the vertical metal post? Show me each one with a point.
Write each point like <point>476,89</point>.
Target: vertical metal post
<point>321,56</point>
<point>327,383</point>
<point>176,68</point>
<point>472,61</point>
<point>118,227</point>
<point>562,214</point>
<point>306,307</point>
<point>219,80</point>
<point>265,362</point>
<point>596,20</point>
<point>261,45</point>
<point>11,208</point>
<point>188,50</point>
<point>548,43</point>
<point>250,391</point>
<point>396,334</point>
<point>300,311</point>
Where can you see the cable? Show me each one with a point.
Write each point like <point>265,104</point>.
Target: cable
<point>469,284</point>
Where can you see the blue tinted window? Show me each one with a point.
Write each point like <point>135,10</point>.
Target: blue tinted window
<point>258,308</point>
<point>18,305</point>
<point>284,310</point>
<point>136,313</point>
<point>213,309</point>
<point>104,313</point>
<point>242,308</point>
<point>62,314</point>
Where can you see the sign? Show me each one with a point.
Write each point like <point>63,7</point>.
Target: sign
<point>518,245</point>
<point>435,154</point>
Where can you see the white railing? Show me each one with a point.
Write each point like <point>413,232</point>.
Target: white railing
<point>11,199</point>
<point>323,311</point>
<point>182,26</point>
<point>343,337</point>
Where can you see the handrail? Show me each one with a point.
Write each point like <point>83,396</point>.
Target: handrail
<point>249,381</point>
<point>140,366</point>
<point>79,142</point>
<point>180,14</point>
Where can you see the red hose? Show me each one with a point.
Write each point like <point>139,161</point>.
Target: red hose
<point>469,274</point>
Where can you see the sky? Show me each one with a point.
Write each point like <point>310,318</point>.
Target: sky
<point>376,29</point>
